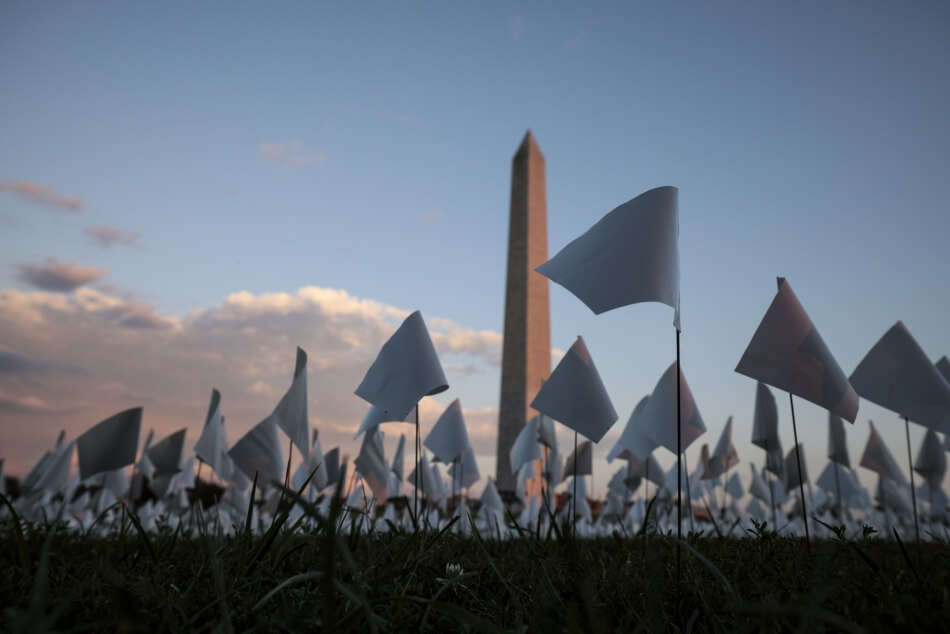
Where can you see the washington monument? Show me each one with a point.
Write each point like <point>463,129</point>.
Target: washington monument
<point>526,350</point>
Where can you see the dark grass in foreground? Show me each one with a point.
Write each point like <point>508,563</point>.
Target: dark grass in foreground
<point>321,579</point>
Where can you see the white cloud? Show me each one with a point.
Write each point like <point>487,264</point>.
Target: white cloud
<point>130,354</point>
<point>43,195</point>
<point>61,277</point>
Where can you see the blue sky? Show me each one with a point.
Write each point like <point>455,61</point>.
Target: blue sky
<point>259,149</point>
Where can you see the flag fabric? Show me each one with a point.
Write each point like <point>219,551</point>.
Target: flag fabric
<point>878,458</point>
<point>56,475</point>
<point>332,461</point>
<point>376,416</point>
<point>258,453</point>
<point>633,439</point>
<point>575,396</point>
<point>788,353</point>
<point>648,469</point>
<point>757,486</point>
<point>291,412</point>
<point>399,459</point>
<point>581,461</point>
<point>547,435</point>
<point>406,369</point>
<point>837,443</point>
<point>166,454</point>
<point>931,462</point>
<point>846,481</point>
<point>465,470</point>
<point>659,416</point>
<point>734,487</point>
<point>212,447</point>
<point>371,463</point>
<point>448,438</point>
<point>526,447</point>
<point>943,366</point>
<point>897,375</point>
<point>765,419</point>
<point>111,444</point>
<point>724,456</point>
<point>426,483</point>
<point>792,476</point>
<point>630,255</point>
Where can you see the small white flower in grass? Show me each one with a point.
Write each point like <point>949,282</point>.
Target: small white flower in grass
<point>451,572</point>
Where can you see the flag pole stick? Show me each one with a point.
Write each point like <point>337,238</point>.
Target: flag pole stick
<point>838,491</point>
<point>574,495</point>
<point>768,481</point>
<point>415,478</point>
<point>679,472</point>
<point>801,474</point>
<point>913,492</point>
<point>689,496</point>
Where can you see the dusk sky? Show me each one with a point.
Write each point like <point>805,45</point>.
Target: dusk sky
<point>188,191</point>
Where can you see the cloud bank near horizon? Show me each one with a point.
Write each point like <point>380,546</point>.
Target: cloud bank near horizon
<point>90,353</point>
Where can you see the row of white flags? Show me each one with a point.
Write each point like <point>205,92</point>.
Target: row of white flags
<point>629,256</point>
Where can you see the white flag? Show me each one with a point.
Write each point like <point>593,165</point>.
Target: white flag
<point>765,419</point>
<point>406,369</point>
<point>526,447</point>
<point>581,461</point>
<point>212,447</point>
<point>448,437</point>
<point>166,454</point>
<point>575,396</point>
<point>837,443</point>
<point>258,452</point>
<point>931,461</point>
<point>878,458</point>
<point>291,412</point>
<point>465,470</point>
<point>660,413</point>
<point>633,439</point>
<point>896,374</point>
<point>371,463</point>
<point>111,444</point>
<point>788,353</point>
<point>792,477</point>
<point>631,255</point>
<point>724,456</point>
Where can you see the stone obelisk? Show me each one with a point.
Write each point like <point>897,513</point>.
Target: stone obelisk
<point>526,350</point>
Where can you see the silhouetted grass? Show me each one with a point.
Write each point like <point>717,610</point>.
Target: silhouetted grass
<point>294,578</point>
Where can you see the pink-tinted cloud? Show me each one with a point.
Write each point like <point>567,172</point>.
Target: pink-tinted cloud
<point>59,277</point>
<point>245,346</point>
<point>290,154</point>
<point>105,236</point>
<point>42,194</point>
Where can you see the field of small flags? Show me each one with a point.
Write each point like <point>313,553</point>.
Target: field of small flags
<point>139,541</point>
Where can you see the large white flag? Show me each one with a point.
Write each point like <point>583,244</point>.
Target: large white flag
<point>896,374</point>
<point>448,437</point>
<point>878,458</point>
<point>788,353</point>
<point>631,255</point>
<point>406,369</point>
<point>837,443</point>
<point>660,414</point>
<point>258,453</point>
<point>291,412</point>
<point>575,396</point>
<point>111,444</point>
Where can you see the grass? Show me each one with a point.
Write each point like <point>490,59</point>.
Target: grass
<point>294,578</point>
